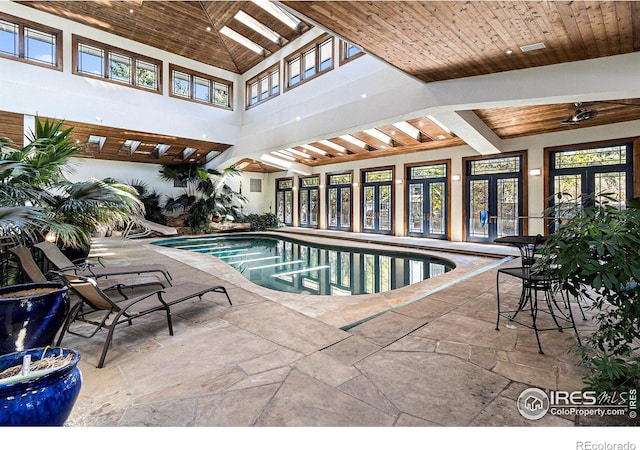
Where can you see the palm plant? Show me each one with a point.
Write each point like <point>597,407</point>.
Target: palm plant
<point>37,199</point>
<point>207,195</point>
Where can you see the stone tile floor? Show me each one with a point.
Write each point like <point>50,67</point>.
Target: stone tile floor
<point>433,359</point>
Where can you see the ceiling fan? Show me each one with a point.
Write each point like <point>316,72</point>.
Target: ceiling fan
<point>579,116</point>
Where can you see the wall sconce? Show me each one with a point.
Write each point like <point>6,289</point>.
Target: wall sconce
<point>398,181</point>
<point>535,172</point>
<point>455,177</point>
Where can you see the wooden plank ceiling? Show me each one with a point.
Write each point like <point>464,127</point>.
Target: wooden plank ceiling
<point>441,40</point>
<point>117,144</point>
<point>431,40</point>
<point>187,28</point>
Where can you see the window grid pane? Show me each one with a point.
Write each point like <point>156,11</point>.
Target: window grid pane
<point>495,165</point>
<point>147,75</point>
<point>9,38</point>
<point>90,60</point>
<point>309,63</point>
<point>294,71</point>
<point>326,54</point>
<point>275,82</point>
<point>39,46</point>
<point>378,176</point>
<point>221,94</point>
<point>202,89</point>
<point>431,171</point>
<point>120,68</point>
<point>181,84</point>
<point>605,156</point>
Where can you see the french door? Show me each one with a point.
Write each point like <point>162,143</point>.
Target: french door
<point>309,202</point>
<point>494,198</point>
<point>284,200</point>
<point>427,201</point>
<point>592,172</point>
<point>339,201</point>
<point>377,201</point>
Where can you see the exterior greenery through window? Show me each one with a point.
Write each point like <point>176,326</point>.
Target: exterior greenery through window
<point>30,42</point>
<point>200,87</point>
<point>121,66</point>
<point>310,61</point>
<point>284,200</point>
<point>263,86</point>
<point>597,173</point>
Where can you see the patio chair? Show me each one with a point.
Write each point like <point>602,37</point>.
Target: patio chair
<point>111,314</point>
<point>34,274</point>
<point>60,261</point>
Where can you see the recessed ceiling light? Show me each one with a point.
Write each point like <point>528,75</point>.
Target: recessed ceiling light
<point>131,11</point>
<point>208,28</point>
<point>364,96</point>
<point>509,51</point>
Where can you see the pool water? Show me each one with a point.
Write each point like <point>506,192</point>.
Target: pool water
<point>292,265</point>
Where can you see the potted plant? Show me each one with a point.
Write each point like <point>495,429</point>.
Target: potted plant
<point>595,249</point>
<point>37,200</point>
<point>39,386</point>
<point>207,196</point>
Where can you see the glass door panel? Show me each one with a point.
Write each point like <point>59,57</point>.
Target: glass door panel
<point>508,207</point>
<point>345,210</point>
<point>478,209</point>
<point>284,201</point>
<point>384,208</point>
<point>369,208</point>
<point>416,213</point>
<point>436,217</point>
<point>332,220</point>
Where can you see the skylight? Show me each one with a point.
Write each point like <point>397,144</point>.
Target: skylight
<point>280,14</point>
<point>333,145</point>
<point>297,152</point>
<point>281,163</point>
<point>377,134</point>
<point>281,154</point>
<point>160,149</point>
<point>240,39</point>
<point>408,129</point>
<point>130,146</point>
<point>353,140</point>
<point>98,140</point>
<point>314,149</point>
<point>257,26</point>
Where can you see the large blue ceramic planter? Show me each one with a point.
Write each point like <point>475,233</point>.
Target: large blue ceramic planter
<point>31,315</point>
<point>43,400</point>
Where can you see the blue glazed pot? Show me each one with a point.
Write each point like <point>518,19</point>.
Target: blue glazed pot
<point>31,315</point>
<point>43,400</point>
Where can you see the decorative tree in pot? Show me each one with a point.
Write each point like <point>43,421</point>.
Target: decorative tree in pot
<point>207,196</point>
<point>595,250</point>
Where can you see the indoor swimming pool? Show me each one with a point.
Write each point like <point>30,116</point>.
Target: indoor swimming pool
<point>296,266</point>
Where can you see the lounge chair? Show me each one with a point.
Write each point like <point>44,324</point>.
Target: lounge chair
<point>59,260</point>
<point>111,314</point>
<point>145,228</point>
<point>31,270</point>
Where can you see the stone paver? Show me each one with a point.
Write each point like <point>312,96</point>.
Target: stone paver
<point>274,360</point>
